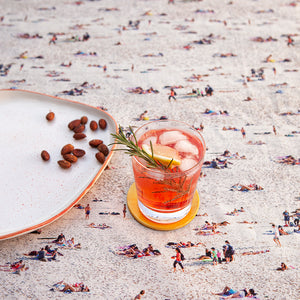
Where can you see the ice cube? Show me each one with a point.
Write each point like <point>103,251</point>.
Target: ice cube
<point>171,137</point>
<point>187,163</point>
<point>186,147</point>
<point>151,139</point>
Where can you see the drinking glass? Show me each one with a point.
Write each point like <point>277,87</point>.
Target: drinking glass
<point>165,196</point>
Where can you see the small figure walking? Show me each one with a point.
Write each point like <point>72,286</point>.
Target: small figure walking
<point>104,68</point>
<point>172,95</point>
<point>276,235</point>
<point>290,41</point>
<point>243,132</point>
<point>178,259</point>
<point>124,211</point>
<point>53,39</point>
<point>87,212</point>
<point>274,130</point>
<point>139,295</point>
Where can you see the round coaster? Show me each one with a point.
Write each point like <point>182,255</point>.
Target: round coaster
<point>132,203</point>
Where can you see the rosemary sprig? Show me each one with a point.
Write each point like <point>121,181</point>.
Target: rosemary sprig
<point>133,149</point>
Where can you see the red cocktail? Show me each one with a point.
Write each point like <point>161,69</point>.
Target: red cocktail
<point>165,196</point>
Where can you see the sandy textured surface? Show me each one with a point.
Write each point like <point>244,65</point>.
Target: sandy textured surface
<point>159,55</point>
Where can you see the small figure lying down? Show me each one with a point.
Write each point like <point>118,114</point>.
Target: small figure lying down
<point>289,160</point>
<point>282,231</point>
<point>109,213</point>
<point>245,188</point>
<point>235,212</point>
<point>234,155</point>
<point>68,244</point>
<point>100,226</point>
<point>217,163</point>
<point>45,254</point>
<point>213,226</point>
<point>15,267</point>
<point>256,143</point>
<point>255,252</point>
<point>79,206</point>
<point>208,232</point>
<point>214,113</point>
<point>69,288</point>
<point>188,244</point>
<point>229,293</point>
<point>247,222</point>
<point>139,90</point>
<point>230,128</point>
<point>205,257</point>
<point>134,252</point>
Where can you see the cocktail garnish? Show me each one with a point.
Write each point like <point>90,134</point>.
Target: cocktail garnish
<point>133,149</point>
<point>164,154</point>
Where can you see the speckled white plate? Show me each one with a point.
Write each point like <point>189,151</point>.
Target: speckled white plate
<point>34,193</point>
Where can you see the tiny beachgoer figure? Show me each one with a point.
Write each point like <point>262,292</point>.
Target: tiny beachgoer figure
<point>53,39</point>
<point>219,256</point>
<point>53,255</point>
<point>104,68</point>
<point>276,235</point>
<point>290,41</point>
<point>274,130</point>
<point>214,256</point>
<point>85,37</point>
<point>228,252</point>
<point>76,287</point>
<point>172,95</point>
<point>139,295</point>
<point>286,217</point>
<point>60,239</point>
<point>281,231</point>
<point>87,212</point>
<point>243,132</point>
<point>70,243</point>
<point>282,267</point>
<point>41,255</point>
<point>229,293</point>
<point>178,259</point>
<point>143,116</point>
<point>269,58</point>
<point>209,90</point>
<point>124,211</point>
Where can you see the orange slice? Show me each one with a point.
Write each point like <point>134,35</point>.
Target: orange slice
<point>163,154</point>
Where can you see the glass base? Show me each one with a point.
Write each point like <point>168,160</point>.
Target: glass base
<point>163,218</point>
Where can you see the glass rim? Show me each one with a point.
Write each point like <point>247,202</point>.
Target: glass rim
<point>198,134</point>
